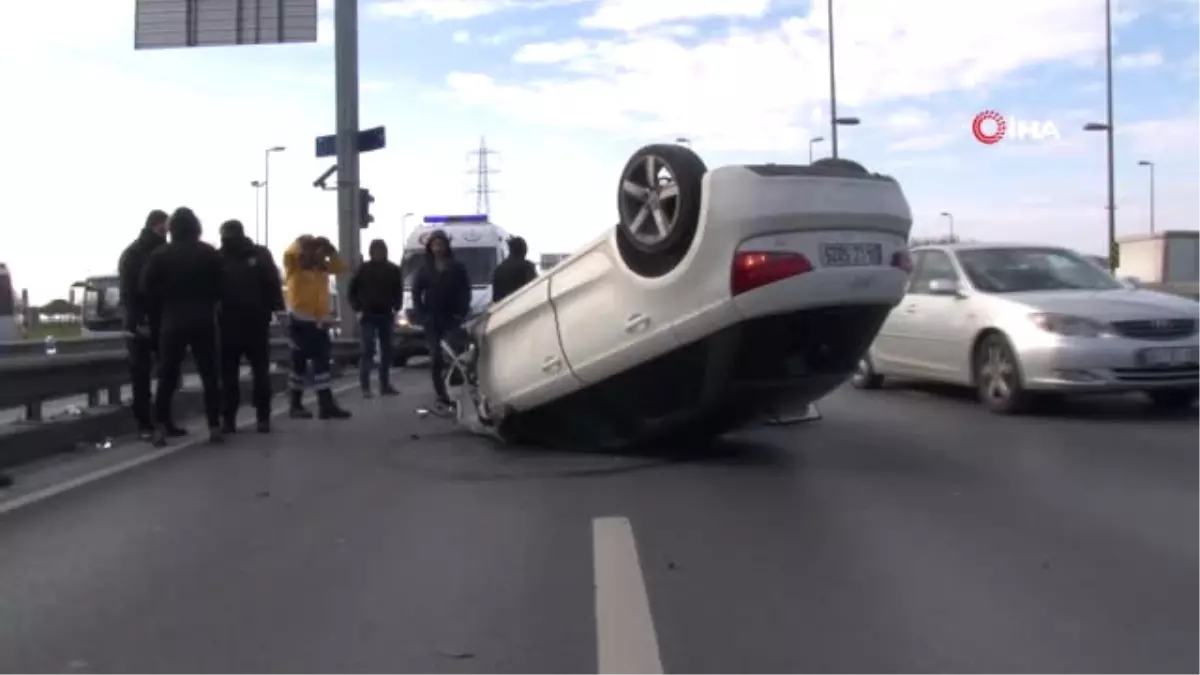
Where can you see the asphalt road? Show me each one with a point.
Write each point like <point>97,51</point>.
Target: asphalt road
<point>907,531</point>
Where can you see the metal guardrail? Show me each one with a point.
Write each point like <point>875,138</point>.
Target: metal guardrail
<point>31,379</point>
<point>78,345</point>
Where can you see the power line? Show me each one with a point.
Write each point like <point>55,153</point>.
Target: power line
<point>482,171</point>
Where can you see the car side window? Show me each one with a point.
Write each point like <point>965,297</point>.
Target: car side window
<point>935,265</point>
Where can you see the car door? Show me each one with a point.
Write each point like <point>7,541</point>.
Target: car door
<point>938,311</point>
<point>608,320</point>
<point>523,365</point>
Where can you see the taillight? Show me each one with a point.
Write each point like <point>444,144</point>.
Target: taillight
<point>755,269</point>
<point>902,261</point>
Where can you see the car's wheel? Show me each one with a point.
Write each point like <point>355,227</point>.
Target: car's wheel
<point>658,201</point>
<point>1173,399</point>
<point>864,376</point>
<point>998,376</point>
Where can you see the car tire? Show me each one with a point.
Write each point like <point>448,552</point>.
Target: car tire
<point>1172,399</point>
<point>864,376</point>
<point>998,377</point>
<point>645,199</point>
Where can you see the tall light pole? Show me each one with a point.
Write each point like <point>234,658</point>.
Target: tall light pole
<point>1107,127</point>
<point>266,184</point>
<point>833,123</point>
<point>950,216</point>
<point>258,185</point>
<point>1151,165</point>
<point>811,143</point>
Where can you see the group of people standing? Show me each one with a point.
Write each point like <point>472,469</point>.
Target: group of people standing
<point>181,294</point>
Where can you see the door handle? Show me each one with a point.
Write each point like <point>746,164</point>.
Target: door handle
<point>636,323</point>
<point>552,364</point>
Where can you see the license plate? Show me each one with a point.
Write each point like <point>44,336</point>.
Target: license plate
<point>1168,356</point>
<point>851,255</point>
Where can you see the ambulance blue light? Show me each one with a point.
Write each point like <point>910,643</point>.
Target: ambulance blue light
<point>474,218</point>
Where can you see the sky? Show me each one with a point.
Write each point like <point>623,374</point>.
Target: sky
<point>565,90</point>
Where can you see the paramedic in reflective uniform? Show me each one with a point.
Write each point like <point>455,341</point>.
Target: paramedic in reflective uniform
<point>141,335</point>
<point>441,297</point>
<point>308,265</point>
<point>252,293</point>
<point>182,283</point>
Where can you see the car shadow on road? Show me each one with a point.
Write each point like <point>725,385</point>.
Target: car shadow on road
<point>1100,408</point>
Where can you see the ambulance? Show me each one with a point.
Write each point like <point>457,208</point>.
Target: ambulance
<point>476,242</point>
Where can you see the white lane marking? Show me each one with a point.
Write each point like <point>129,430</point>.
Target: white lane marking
<point>625,638</point>
<point>24,500</point>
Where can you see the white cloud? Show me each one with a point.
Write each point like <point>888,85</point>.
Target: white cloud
<point>552,52</point>
<point>751,88</point>
<point>628,15</point>
<point>325,31</point>
<point>455,10</point>
<point>1150,59</point>
<point>1152,138</point>
<point>461,37</point>
<point>925,142</point>
<point>908,119</point>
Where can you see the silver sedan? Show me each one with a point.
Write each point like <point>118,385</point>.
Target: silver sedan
<point>1021,321</point>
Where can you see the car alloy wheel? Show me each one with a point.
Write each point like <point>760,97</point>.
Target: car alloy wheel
<point>649,200</point>
<point>998,376</point>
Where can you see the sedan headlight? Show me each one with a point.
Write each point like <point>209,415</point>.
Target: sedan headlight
<point>1071,326</point>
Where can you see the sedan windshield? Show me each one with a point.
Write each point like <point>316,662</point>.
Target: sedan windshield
<point>1014,270</point>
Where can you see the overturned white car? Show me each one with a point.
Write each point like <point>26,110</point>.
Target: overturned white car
<point>721,299</point>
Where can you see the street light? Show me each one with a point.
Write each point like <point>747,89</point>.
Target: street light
<point>257,185</point>
<point>266,182</point>
<point>811,143</point>
<point>1107,128</point>
<point>950,216</point>
<point>833,118</point>
<point>1151,165</point>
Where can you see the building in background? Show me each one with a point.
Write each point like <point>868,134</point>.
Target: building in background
<point>1164,261</point>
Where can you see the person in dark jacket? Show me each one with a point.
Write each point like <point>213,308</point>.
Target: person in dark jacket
<point>376,293</point>
<point>182,284</point>
<point>252,293</point>
<point>140,334</point>
<point>514,272</point>
<point>441,298</point>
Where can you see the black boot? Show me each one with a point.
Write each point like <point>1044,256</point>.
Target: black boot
<point>229,425</point>
<point>296,410</point>
<point>328,409</point>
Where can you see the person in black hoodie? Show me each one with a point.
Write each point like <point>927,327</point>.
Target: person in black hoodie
<point>140,334</point>
<point>376,293</point>
<point>182,284</point>
<point>252,293</point>
<point>514,272</point>
<point>441,298</point>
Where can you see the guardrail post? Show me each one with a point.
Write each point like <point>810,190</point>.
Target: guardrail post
<point>114,396</point>
<point>33,411</point>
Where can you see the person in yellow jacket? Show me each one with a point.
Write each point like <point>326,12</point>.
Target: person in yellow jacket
<point>308,265</point>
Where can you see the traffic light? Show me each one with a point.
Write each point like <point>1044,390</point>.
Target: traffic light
<point>365,199</point>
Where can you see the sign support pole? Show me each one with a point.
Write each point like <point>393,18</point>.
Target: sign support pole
<point>345,17</point>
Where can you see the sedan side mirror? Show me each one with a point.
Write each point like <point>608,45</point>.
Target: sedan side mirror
<point>945,287</point>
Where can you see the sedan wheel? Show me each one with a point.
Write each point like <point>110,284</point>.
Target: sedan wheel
<point>998,377</point>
